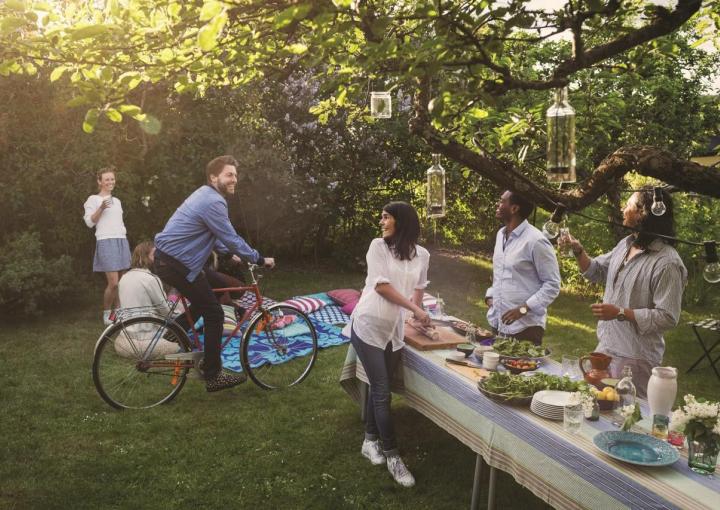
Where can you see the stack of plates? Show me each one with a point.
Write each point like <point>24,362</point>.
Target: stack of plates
<point>550,403</point>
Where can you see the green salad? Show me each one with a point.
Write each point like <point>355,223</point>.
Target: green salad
<point>519,386</point>
<point>518,349</point>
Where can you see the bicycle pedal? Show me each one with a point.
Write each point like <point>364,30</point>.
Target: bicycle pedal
<point>185,356</point>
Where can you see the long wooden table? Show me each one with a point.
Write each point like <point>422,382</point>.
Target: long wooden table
<point>566,471</point>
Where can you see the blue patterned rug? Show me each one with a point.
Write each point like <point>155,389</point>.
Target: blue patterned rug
<point>327,335</point>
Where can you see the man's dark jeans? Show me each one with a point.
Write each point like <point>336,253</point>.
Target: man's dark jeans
<point>203,303</point>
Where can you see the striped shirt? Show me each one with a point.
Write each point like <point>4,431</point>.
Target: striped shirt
<point>651,284</point>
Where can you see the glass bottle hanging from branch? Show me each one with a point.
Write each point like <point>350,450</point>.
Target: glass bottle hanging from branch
<point>436,189</point>
<point>380,105</point>
<point>561,139</point>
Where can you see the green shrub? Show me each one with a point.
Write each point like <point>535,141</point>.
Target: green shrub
<point>28,280</point>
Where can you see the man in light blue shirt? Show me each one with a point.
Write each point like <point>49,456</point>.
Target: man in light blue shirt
<point>198,226</point>
<point>526,277</point>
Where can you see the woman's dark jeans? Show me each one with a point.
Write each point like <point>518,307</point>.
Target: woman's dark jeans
<point>379,367</point>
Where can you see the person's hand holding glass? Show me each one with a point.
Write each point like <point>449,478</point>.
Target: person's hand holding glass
<point>568,245</point>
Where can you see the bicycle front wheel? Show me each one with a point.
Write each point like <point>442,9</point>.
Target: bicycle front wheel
<point>129,366</point>
<point>279,347</point>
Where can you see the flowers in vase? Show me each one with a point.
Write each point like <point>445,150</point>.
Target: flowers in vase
<point>699,420</point>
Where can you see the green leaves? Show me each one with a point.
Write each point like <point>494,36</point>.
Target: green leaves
<point>210,9</point>
<point>57,73</point>
<point>91,118</point>
<point>85,32</point>
<point>208,34</point>
<point>284,18</point>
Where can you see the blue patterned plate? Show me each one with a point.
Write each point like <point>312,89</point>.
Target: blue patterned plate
<point>635,448</point>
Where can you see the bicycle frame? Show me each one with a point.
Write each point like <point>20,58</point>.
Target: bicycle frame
<point>253,287</point>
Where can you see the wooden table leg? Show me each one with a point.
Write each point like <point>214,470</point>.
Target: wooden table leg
<point>475,501</point>
<point>491,488</point>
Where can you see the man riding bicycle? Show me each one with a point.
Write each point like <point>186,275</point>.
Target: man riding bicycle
<point>198,226</point>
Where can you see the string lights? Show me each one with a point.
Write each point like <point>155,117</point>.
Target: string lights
<point>711,273</point>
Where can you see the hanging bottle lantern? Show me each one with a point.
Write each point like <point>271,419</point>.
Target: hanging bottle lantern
<point>561,139</point>
<point>380,105</point>
<point>436,189</point>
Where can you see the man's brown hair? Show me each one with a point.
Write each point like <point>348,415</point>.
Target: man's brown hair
<point>217,164</point>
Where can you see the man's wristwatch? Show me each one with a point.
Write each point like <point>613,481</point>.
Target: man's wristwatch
<point>523,309</point>
<point>621,315</point>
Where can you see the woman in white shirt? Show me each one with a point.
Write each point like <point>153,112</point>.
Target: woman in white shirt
<point>140,288</point>
<point>397,276</point>
<point>112,251</point>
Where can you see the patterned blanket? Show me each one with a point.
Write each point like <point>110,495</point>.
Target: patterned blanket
<point>325,321</point>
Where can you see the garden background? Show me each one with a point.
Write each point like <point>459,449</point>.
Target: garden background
<point>314,172</point>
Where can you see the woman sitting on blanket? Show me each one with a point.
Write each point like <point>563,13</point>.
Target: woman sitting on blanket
<point>397,267</point>
<point>140,289</point>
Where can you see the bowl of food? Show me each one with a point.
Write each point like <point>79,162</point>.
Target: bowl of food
<point>482,349</point>
<point>518,366</point>
<point>466,349</point>
<point>607,398</point>
<point>476,333</point>
<point>509,348</point>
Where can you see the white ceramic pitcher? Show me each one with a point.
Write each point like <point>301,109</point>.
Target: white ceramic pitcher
<point>661,390</point>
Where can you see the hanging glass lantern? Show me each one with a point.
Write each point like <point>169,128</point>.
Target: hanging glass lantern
<point>561,139</point>
<point>380,105</point>
<point>436,189</point>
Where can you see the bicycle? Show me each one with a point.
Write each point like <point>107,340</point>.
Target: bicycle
<point>143,359</point>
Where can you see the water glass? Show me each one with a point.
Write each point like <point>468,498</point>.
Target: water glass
<point>571,367</point>
<point>564,246</point>
<point>572,418</point>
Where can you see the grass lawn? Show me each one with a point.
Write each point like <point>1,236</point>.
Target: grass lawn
<point>63,447</point>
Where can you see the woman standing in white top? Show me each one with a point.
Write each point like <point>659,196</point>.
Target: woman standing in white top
<point>397,276</point>
<point>112,251</point>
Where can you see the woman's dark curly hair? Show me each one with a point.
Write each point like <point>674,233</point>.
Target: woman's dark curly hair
<point>407,229</point>
<point>651,224</point>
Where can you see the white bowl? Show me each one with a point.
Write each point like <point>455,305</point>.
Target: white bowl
<point>482,349</point>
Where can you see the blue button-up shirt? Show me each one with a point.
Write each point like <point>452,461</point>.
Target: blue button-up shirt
<point>198,226</point>
<point>525,271</point>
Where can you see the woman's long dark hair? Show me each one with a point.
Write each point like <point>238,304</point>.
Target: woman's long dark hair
<point>407,230</point>
<point>651,224</point>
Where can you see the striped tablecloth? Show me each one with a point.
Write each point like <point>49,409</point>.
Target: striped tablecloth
<point>565,470</point>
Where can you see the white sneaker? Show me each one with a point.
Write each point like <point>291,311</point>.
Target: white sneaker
<point>372,451</point>
<point>106,317</point>
<point>399,472</point>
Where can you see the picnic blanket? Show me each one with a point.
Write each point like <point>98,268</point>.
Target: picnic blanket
<point>325,321</point>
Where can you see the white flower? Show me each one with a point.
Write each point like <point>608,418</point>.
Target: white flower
<point>678,420</point>
<point>627,411</point>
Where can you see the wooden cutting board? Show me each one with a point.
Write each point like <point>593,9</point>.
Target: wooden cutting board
<point>474,374</point>
<point>448,339</point>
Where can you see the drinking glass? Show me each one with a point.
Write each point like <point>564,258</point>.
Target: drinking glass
<point>564,246</point>
<point>571,367</point>
<point>572,418</point>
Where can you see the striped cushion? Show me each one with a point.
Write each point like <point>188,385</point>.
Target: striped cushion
<point>305,304</point>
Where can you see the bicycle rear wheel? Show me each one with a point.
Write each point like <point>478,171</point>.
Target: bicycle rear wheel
<point>279,347</point>
<point>129,366</point>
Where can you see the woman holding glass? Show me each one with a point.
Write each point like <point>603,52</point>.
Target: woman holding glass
<point>112,251</point>
<point>396,278</point>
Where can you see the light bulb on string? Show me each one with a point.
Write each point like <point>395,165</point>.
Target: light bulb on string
<point>551,228</point>
<point>711,273</point>
<point>658,207</point>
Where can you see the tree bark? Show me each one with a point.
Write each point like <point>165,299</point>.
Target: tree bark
<point>645,160</point>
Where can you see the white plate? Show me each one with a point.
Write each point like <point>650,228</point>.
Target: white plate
<point>552,397</point>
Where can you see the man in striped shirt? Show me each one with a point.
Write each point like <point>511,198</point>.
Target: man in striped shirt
<point>644,279</point>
